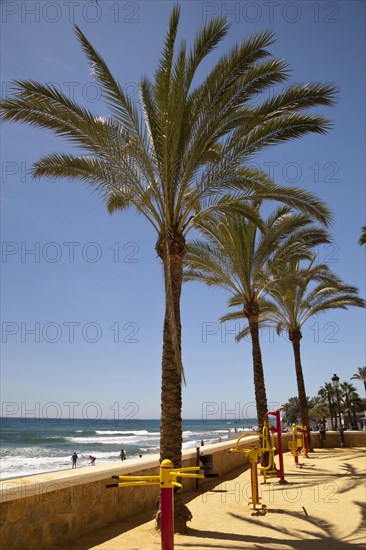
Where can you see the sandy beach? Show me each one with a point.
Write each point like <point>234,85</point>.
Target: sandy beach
<point>321,506</point>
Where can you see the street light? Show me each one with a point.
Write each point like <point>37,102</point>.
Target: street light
<point>335,382</point>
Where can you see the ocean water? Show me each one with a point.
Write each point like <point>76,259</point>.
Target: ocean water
<point>33,445</point>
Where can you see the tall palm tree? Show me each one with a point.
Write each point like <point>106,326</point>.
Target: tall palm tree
<point>327,393</point>
<point>298,295</point>
<point>239,255</point>
<point>178,156</point>
<point>348,394</point>
<point>356,405</point>
<point>360,375</point>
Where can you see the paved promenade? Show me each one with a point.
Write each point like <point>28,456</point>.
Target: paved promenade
<point>321,507</point>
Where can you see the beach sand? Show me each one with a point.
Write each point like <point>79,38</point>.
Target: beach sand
<point>321,506</point>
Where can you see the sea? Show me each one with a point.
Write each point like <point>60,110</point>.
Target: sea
<point>34,445</point>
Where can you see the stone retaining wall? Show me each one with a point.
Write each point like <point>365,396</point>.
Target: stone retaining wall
<point>332,439</point>
<point>42,511</point>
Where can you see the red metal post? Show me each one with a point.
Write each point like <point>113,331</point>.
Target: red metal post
<point>167,518</point>
<point>281,470</point>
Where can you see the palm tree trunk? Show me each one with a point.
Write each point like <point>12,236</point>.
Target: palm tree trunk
<point>335,417</point>
<point>171,382</point>
<point>330,411</point>
<point>349,415</point>
<point>349,419</point>
<point>259,384</point>
<point>344,398</point>
<point>295,337</point>
<point>354,417</point>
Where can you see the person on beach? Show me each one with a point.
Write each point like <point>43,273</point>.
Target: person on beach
<point>122,455</point>
<point>74,459</point>
<point>92,460</point>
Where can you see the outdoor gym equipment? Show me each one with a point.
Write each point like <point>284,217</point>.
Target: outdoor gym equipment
<point>253,452</point>
<point>167,481</point>
<point>297,445</point>
<point>277,429</point>
<point>268,447</point>
<point>206,461</point>
<point>305,439</point>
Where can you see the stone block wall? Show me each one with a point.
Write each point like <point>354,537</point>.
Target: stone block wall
<point>41,511</point>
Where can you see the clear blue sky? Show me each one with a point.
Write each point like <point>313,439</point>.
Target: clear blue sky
<point>92,290</point>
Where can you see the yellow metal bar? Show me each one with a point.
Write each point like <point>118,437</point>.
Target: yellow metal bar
<point>187,469</point>
<point>165,479</point>
<point>294,441</point>
<point>253,459</point>
<point>134,483</point>
<point>265,437</point>
<point>269,465</point>
<point>176,484</point>
<point>183,474</point>
<point>236,448</point>
<point>140,478</point>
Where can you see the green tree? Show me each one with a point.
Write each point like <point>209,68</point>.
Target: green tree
<point>319,412</point>
<point>239,256</point>
<point>349,397</point>
<point>327,393</point>
<point>362,405</point>
<point>360,375</point>
<point>299,292</point>
<point>291,410</point>
<point>179,156</point>
<point>356,406</point>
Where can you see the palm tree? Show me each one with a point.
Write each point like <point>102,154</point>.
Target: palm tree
<point>356,406</point>
<point>362,239</point>
<point>327,393</point>
<point>291,410</point>
<point>239,255</point>
<point>298,295</point>
<point>360,375</point>
<point>348,395</point>
<point>180,156</point>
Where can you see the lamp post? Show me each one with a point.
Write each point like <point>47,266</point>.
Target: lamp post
<point>335,382</point>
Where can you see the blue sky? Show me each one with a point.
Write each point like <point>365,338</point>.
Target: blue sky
<point>82,292</point>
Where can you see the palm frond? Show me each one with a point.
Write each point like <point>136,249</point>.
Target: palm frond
<point>120,104</point>
<point>103,177</point>
<point>297,97</point>
<point>362,239</point>
<point>90,170</point>
<point>117,201</point>
<point>278,130</point>
<point>206,40</point>
<point>44,106</point>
